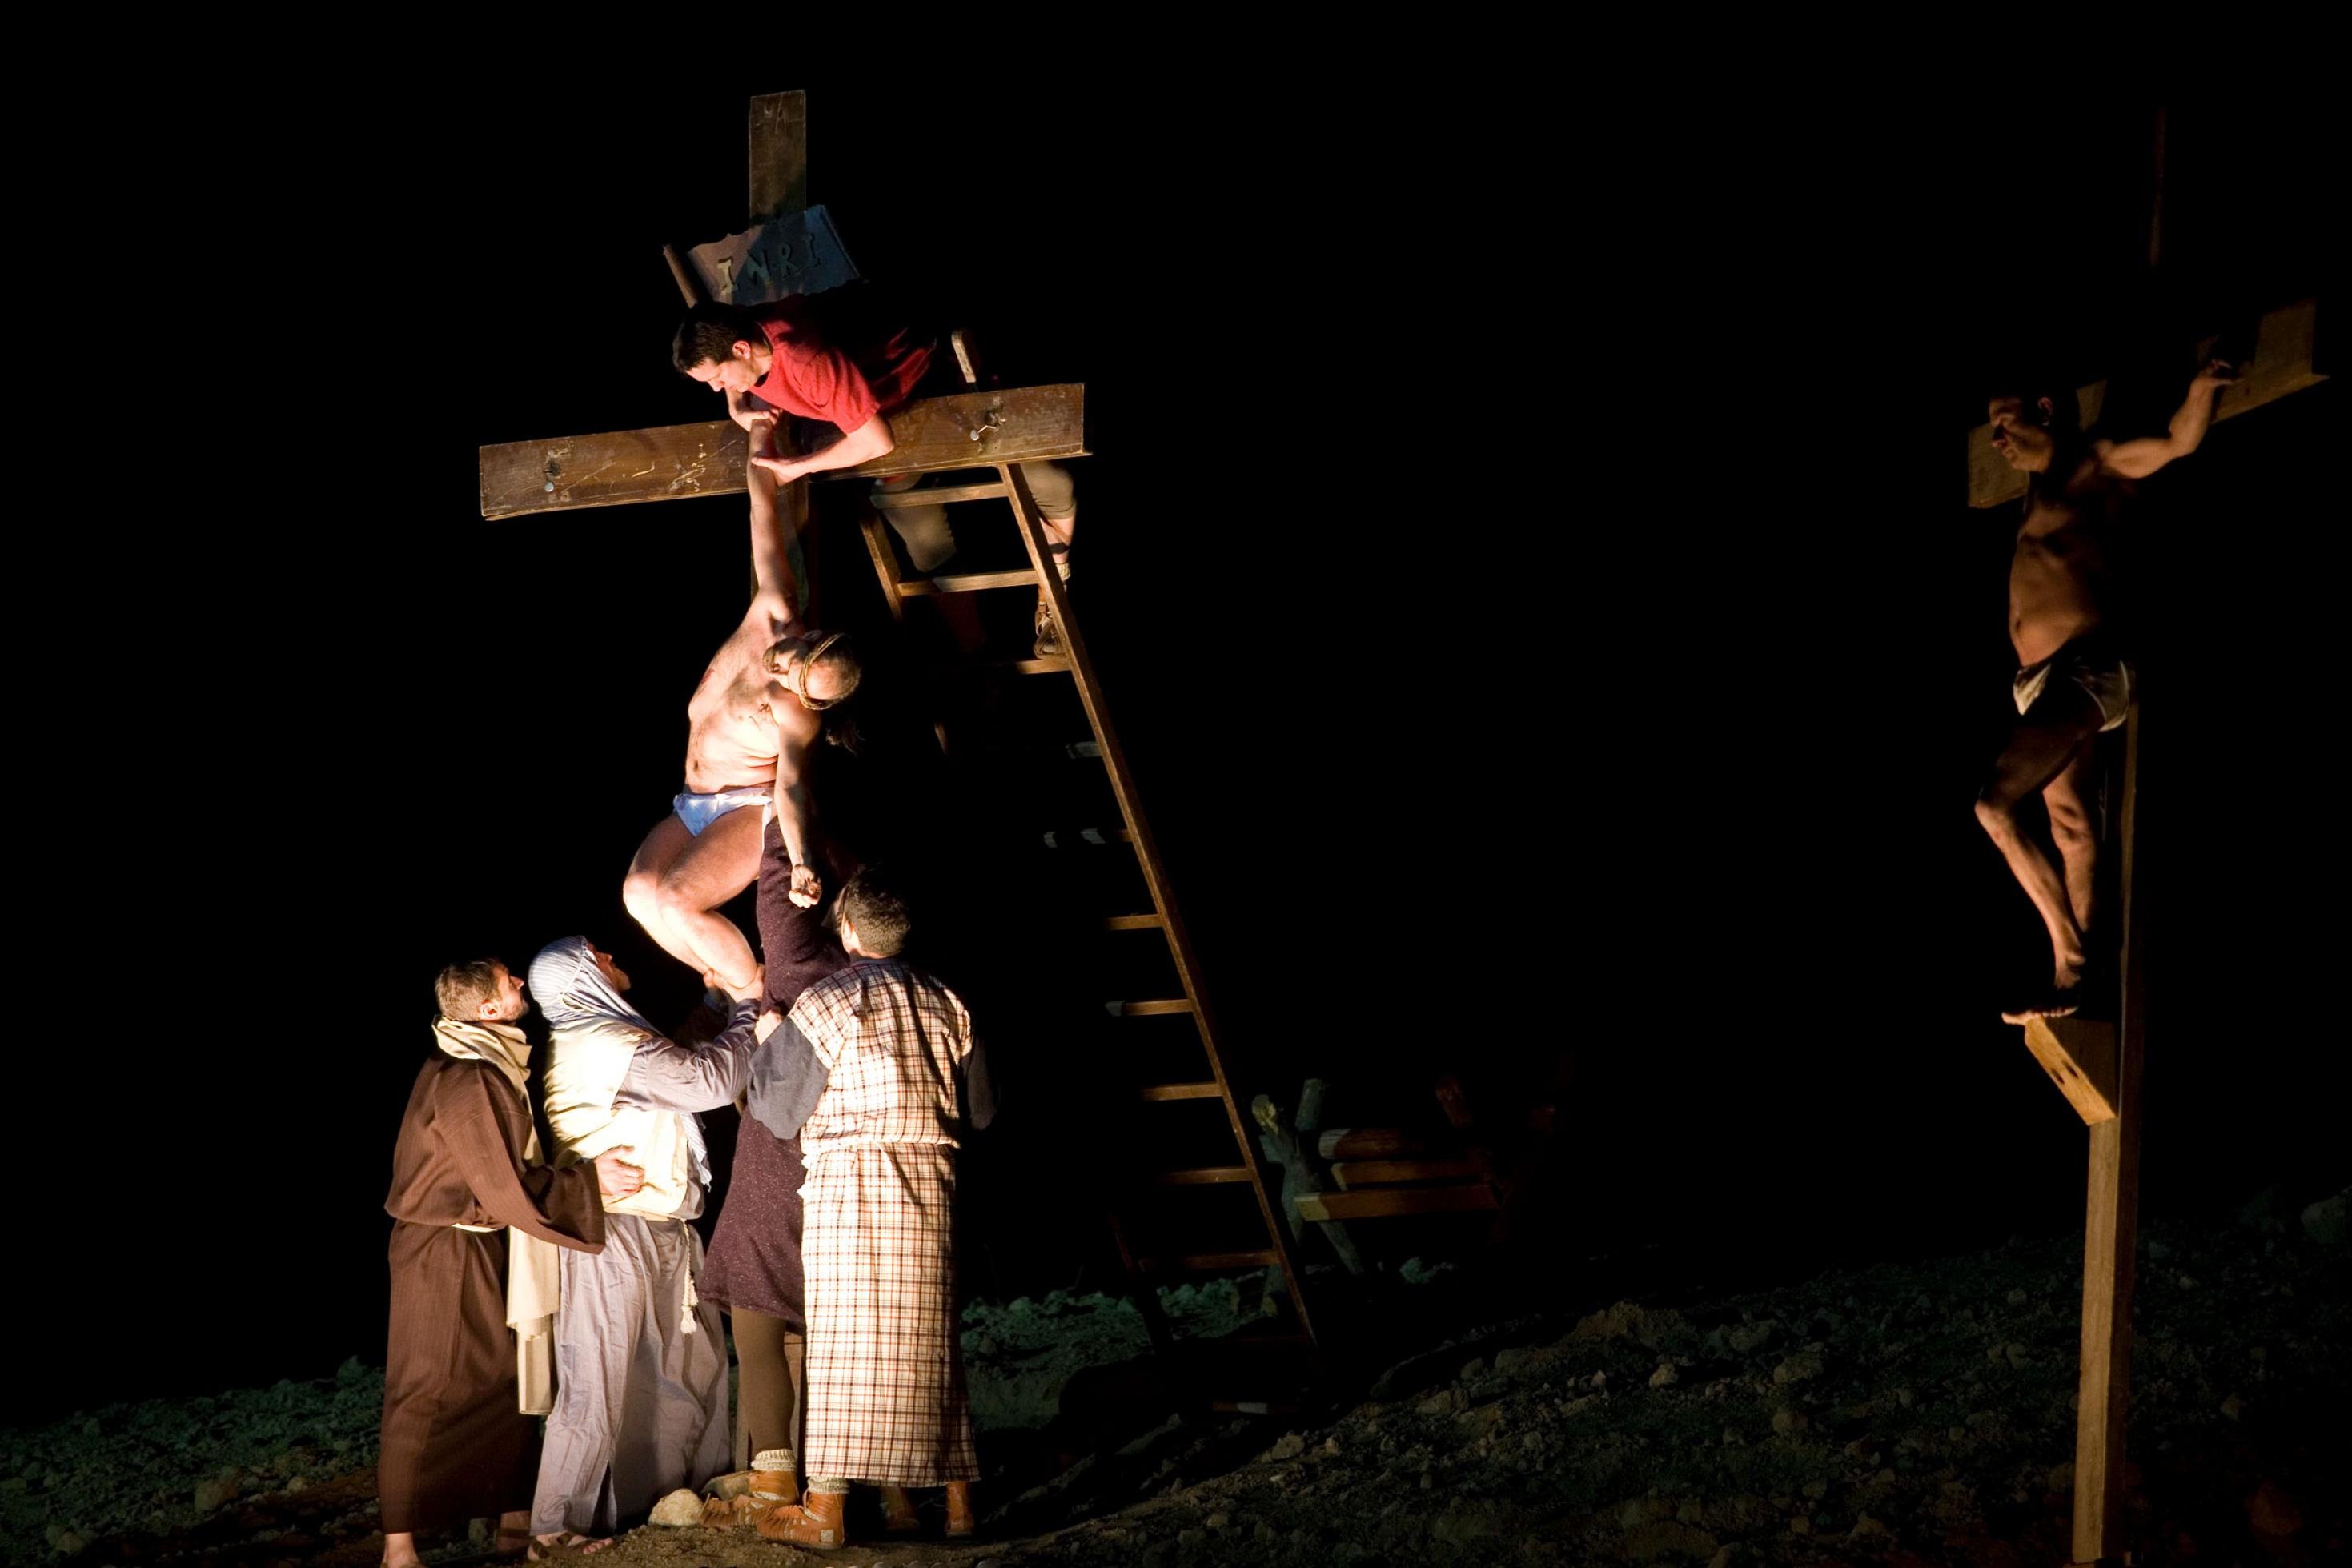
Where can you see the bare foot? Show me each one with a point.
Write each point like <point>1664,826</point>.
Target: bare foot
<point>565,1541</point>
<point>2059,1001</point>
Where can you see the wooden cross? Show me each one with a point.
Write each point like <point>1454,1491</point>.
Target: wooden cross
<point>2097,1065</point>
<point>680,462</point>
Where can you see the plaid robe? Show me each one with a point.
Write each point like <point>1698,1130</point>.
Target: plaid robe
<point>885,1383</point>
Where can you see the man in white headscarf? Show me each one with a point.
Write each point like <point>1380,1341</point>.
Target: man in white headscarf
<point>641,1403</point>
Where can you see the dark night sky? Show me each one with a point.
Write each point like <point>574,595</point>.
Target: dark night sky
<point>1535,594</point>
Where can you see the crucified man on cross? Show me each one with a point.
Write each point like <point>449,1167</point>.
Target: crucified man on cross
<point>750,727</point>
<point>2071,682</point>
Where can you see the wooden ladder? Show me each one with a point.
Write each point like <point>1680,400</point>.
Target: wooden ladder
<point>1143,1271</point>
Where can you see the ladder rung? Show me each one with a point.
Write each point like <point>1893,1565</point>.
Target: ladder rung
<point>939,495</point>
<point>1148,1010</point>
<point>1354,1175</point>
<point>1131,923</point>
<point>1208,1262</point>
<point>1380,1202</point>
<point>1206,1175</point>
<point>965,582</point>
<point>1034,666</point>
<point>1177,1092</point>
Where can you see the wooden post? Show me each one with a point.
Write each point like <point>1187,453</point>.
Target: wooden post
<point>2111,1231</point>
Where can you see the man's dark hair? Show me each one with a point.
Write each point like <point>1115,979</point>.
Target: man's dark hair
<point>462,989</point>
<point>874,904</point>
<point>710,333</point>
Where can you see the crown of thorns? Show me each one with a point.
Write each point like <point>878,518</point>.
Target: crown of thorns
<point>808,662</point>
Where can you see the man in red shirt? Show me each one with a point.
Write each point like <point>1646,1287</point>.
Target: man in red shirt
<point>833,359</point>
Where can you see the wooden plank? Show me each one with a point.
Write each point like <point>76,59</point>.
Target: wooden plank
<point>1382,1203</point>
<point>1177,1092</point>
<point>1301,1177</point>
<point>1131,923</point>
<point>2111,1229</point>
<point>936,496</point>
<point>964,582</point>
<point>1153,1009</point>
<point>678,461</point>
<point>1352,1173</point>
<point>1209,1262</point>
<point>1205,1175</point>
<point>1369,1144</point>
<point>779,153</point>
<point>2284,345</point>
<point>2080,1056</point>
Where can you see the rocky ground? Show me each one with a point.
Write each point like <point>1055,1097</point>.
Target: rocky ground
<point>1900,1415</point>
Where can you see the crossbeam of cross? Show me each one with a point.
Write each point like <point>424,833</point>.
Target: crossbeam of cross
<point>682,462</point>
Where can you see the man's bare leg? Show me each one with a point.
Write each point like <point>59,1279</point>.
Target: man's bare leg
<point>641,889</point>
<point>2074,827</point>
<point>2044,743</point>
<point>711,870</point>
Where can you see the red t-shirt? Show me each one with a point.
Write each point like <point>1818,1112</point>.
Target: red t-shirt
<point>846,384</point>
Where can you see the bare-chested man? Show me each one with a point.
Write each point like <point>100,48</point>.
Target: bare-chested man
<point>2071,684</point>
<point>749,726</point>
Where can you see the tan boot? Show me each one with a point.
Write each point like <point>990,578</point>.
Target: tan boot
<point>815,1521</point>
<point>899,1511</point>
<point>762,1490</point>
<point>960,1519</point>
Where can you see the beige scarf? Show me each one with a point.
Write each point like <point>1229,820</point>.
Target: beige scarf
<point>533,1282</point>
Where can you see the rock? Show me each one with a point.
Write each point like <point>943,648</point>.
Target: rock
<point>1723,1558</point>
<point>1817,1490</point>
<point>1263,1533</point>
<point>2272,1513</point>
<point>1473,1368</point>
<point>2017,1298</point>
<point>1191,1536</point>
<point>211,1494</point>
<point>69,1542</point>
<point>2016,1354</point>
<point>1218,1519</point>
<point>1666,1376</point>
<point>297,1483</point>
<point>1643,1510</point>
<point>2233,1406</point>
<point>1289,1447</point>
<point>1800,1525</point>
<point>1796,1368</point>
<point>1599,1380</point>
<point>1519,1358</point>
<point>1331,1448</point>
<point>1788,1421</point>
<point>679,1509</point>
<point>2326,1221</point>
<point>1745,1337</point>
<point>1444,1403</point>
<point>1904,1397</point>
<point>1865,1527</point>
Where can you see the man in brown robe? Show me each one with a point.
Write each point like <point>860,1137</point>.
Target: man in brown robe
<point>455,1445</point>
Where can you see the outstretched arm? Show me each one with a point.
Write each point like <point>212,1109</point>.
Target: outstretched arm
<point>795,815</point>
<point>2138,459</point>
<point>775,595</point>
<point>868,441</point>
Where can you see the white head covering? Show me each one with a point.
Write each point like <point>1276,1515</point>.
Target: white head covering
<point>577,1000</point>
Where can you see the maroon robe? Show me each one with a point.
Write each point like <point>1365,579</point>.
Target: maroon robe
<point>454,1444</point>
